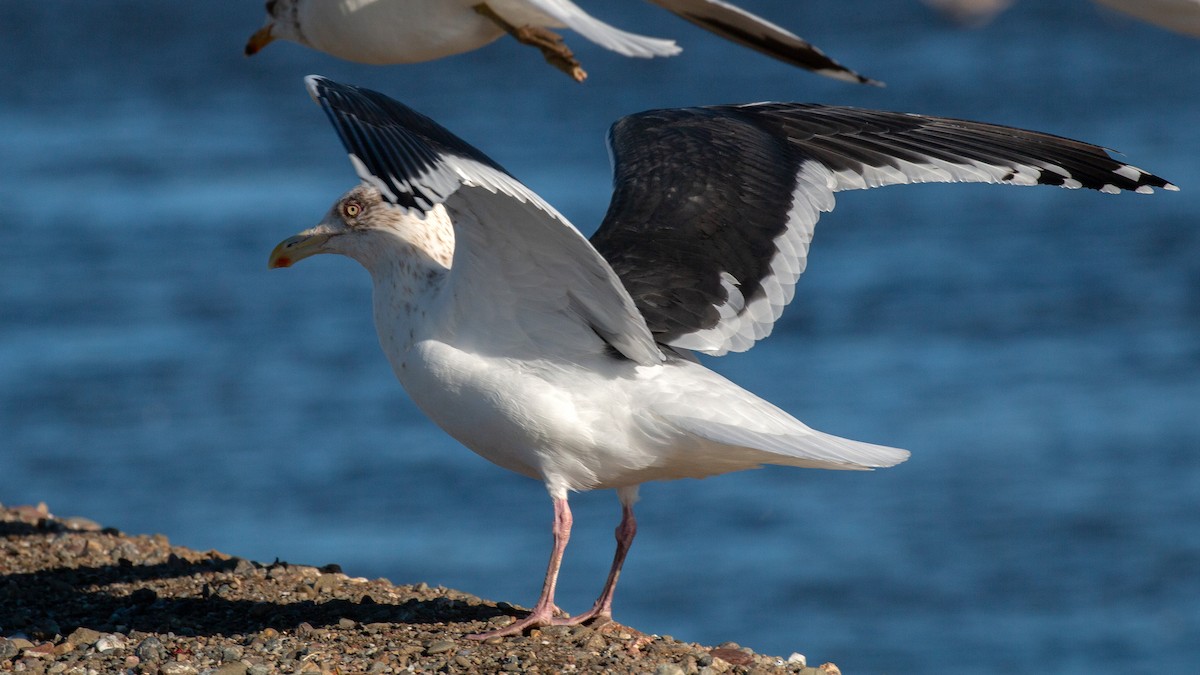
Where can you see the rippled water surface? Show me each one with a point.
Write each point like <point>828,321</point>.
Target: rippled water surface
<point>1038,350</point>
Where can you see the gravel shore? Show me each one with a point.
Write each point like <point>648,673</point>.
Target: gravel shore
<point>77,598</point>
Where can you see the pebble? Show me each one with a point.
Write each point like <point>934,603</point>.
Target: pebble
<point>151,650</point>
<point>110,642</point>
<point>668,669</point>
<point>41,651</point>
<point>177,668</point>
<point>231,653</point>
<point>81,524</point>
<point>439,646</point>
<point>797,657</point>
<point>235,668</point>
<point>84,637</point>
<point>8,649</point>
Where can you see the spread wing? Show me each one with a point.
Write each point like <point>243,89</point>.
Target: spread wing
<point>738,25</point>
<point>505,235</point>
<point>713,209</point>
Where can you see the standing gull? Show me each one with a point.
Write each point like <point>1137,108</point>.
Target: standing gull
<point>412,31</point>
<point>571,362</point>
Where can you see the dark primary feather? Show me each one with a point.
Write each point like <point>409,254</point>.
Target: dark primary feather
<point>399,146</point>
<point>702,191</point>
<point>738,25</point>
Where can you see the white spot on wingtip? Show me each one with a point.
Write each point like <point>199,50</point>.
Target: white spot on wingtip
<point>1130,172</point>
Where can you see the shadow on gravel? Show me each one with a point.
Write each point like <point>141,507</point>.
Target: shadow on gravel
<point>18,529</point>
<point>62,599</point>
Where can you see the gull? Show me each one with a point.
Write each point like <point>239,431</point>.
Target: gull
<point>411,31</point>
<point>573,361</point>
<point>1181,16</point>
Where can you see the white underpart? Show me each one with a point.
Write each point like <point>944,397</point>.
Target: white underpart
<point>503,353</point>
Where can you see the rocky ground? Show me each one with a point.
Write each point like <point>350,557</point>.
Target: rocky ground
<point>80,599</point>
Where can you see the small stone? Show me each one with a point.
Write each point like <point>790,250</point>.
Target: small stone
<point>258,669</point>
<point>82,524</point>
<point>462,661</point>
<point>19,642</point>
<point>110,642</point>
<point>64,647</point>
<point>7,649</point>
<point>325,583</point>
<point>346,623</point>
<point>829,669</point>
<point>132,661</point>
<point>668,669</point>
<point>151,650</point>
<point>732,656</point>
<point>798,658</point>
<point>84,637</point>
<point>143,596</point>
<point>44,650</point>
<point>439,646</point>
<point>231,653</point>
<point>233,668</point>
<point>176,668</point>
<point>595,642</point>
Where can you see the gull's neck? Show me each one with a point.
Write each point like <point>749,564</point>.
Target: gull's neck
<point>409,268</point>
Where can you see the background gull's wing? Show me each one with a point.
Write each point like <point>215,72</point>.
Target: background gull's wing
<point>506,237</point>
<point>570,15</point>
<point>738,25</point>
<point>713,209</point>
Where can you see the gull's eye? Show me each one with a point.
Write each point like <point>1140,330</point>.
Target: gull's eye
<point>351,209</point>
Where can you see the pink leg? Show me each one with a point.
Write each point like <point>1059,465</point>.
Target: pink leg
<point>543,612</point>
<point>625,534</point>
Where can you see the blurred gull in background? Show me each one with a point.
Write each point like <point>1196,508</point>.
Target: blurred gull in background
<point>1181,16</point>
<point>411,31</point>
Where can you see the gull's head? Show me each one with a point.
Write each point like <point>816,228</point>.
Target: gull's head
<point>363,226</point>
<point>281,24</point>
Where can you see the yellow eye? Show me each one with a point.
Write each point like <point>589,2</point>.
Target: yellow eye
<point>351,209</point>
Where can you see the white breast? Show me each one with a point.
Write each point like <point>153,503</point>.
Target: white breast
<point>382,32</point>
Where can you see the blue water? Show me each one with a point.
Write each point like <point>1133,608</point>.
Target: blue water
<point>1038,350</point>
